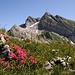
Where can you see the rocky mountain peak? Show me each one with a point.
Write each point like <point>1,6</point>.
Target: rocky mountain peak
<point>48,17</point>
<point>52,24</point>
<point>47,14</point>
<point>30,21</point>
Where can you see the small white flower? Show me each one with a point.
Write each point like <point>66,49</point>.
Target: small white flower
<point>69,58</point>
<point>53,50</point>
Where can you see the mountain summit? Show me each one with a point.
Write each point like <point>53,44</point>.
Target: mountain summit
<point>29,21</point>
<point>46,29</point>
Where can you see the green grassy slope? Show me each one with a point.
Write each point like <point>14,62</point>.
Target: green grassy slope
<point>42,52</point>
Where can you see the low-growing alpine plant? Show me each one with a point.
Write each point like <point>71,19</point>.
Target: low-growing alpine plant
<point>28,58</point>
<point>17,58</point>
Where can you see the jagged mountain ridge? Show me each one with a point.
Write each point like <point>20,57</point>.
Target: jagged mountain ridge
<point>29,21</point>
<point>56,24</point>
<point>43,28</point>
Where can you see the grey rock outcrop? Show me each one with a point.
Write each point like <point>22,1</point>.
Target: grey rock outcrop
<point>16,31</point>
<point>58,24</point>
<point>29,21</point>
<point>33,27</point>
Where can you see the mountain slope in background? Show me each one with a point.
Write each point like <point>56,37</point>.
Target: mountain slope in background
<point>46,29</point>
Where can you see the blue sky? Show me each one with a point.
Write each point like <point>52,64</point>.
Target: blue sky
<point>16,11</point>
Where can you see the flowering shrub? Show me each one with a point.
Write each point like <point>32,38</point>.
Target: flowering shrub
<point>18,57</point>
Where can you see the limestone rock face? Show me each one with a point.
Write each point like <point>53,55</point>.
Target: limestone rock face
<point>53,25</point>
<point>17,31</point>
<point>58,24</point>
<point>29,21</point>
